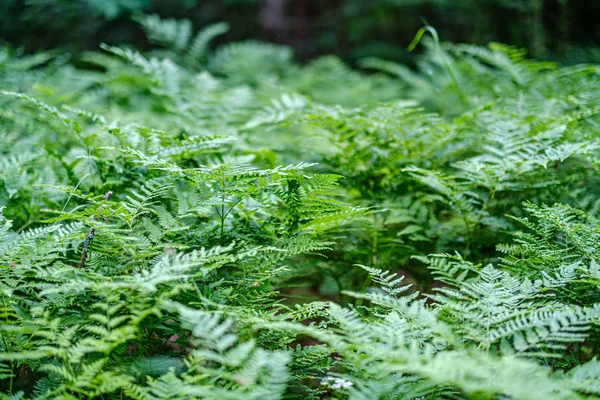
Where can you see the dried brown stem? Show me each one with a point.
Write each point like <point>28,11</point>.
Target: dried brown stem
<point>90,235</point>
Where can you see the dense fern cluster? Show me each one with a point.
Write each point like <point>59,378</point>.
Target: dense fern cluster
<point>277,231</point>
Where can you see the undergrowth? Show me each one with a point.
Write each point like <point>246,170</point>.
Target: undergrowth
<point>200,223</point>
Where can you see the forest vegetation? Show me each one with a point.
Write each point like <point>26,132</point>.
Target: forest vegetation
<point>219,221</point>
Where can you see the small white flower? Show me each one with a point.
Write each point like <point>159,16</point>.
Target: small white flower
<point>347,384</point>
<point>334,383</point>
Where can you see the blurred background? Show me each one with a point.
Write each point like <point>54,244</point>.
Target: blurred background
<point>567,31</point>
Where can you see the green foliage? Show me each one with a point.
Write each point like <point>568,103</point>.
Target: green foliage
<point>278,231</point>
<point>176,35</point>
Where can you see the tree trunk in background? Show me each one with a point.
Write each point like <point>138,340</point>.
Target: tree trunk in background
<point>564,21</point>
<point>273,19</point>
<point>283,28</point>
<point>535,29</point>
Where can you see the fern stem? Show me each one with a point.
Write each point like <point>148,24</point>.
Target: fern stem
<point>76,187</point>
<point>373,261</point>
<point>12,376</point>
<point>7,347</point>
<point>222,215</point>
<point>471,232</point>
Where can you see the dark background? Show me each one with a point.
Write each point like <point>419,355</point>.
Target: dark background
<point>562,30</point>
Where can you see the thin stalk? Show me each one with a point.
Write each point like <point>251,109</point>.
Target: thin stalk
<point>443,59</point>
<point>372,261</point>
<point>90,235</point>
<point>222,215</point>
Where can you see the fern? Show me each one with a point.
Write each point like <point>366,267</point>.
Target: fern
<point>280,230</point>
